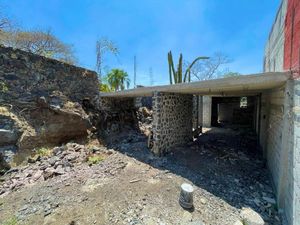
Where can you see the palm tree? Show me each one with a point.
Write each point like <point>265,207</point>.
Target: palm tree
<point>117,79</point>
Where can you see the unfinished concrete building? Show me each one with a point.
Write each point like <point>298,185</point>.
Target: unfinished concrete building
<point>266,102</point>
<point>269,103</point>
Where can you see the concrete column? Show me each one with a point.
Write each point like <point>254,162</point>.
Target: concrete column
<point>295,158</point>
<point>288,191</point>
<point>197,111</point>
<point>207,100</point>
<point>172,121</point>
<point>200,115</point>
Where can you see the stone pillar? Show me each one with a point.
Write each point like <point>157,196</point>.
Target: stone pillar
<point>207,100</point>
<point>172,121</point>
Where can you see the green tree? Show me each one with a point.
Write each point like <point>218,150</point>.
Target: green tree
<point>178,76</point>
<point>104,87</point>
<point>117,79</point>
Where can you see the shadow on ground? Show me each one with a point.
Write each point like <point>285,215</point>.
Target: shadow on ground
<point>226,162</point>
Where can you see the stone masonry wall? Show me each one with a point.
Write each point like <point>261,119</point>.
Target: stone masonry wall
<point>172,121</point>
<point>28,76</point>
<point>43,101</point>
<point>117,114</point>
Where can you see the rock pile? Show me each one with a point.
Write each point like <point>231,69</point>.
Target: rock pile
<point>40,168</point>
<point>145,118</point>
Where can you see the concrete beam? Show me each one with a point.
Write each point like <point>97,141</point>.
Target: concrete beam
<point>226,86</point>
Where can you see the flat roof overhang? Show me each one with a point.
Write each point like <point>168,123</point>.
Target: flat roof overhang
<point>231,86</point>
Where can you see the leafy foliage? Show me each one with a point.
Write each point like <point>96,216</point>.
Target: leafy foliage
<point>177,76</point>
<point>42,152</point>
<point>3,87</point>
<point>104,87</point>
<point>117,80</point>
<point>11,221</point>
<point>95,159</point>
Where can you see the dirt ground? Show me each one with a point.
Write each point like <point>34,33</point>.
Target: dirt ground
<point>131,186</point>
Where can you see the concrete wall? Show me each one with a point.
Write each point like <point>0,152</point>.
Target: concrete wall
<point>172,121</point>
<point>274,50</point>
<point>197,111</point>
<point>292,37</point>
<point>206,101</point>
<point>282,51</point>
<point>293,173</point>
<point>273,105</point>
<point>279,138</point>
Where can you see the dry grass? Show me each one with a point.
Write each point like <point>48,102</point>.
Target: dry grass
<point>4,111</point>
<point>69,105</point>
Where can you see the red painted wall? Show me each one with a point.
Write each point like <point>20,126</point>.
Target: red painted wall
<point>292,36</point>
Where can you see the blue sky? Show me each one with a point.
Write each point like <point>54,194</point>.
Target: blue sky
<point>150,28</point>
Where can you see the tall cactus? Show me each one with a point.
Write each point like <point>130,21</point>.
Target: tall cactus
<point>177,75</point>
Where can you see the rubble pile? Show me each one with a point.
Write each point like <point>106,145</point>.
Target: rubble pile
<point>145,117</point>
<point>39,168</point>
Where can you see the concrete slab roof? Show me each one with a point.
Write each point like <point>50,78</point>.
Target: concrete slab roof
<point>231,86</point>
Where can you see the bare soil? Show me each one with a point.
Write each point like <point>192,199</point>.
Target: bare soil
<point>131,186</point>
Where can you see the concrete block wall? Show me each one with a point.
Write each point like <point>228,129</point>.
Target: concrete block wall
<point>280,138</point>
<point>172,121</point>
<point>294,154</point>
<point>275,132</point>
<point>282,51</point>
<point>274,50</point>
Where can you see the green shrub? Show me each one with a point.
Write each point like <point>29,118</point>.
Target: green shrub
<point>95,159</point>
<point>42,152</point>
<point>3,87</point>
<point>11,221</point>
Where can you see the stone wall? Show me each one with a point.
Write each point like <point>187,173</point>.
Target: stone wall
<point>117,113</point>
<point>143,102</point>
<point>43,101</point>
<point>172,121</point>
<point>29,76</point>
